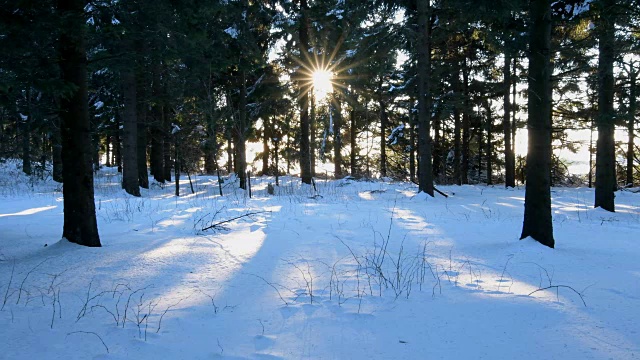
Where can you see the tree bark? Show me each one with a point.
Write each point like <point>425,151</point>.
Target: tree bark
<point>537,206</point>
<point>156,158</point>
<point>265,146</point>
<point>130,137</point>
<point>143,176</point>
<point>117,146</point>
<point>166,158</point>
<point>305,157</point>
<point>312,135</point>
<point>383,138</point>
<point>631,127</point>
<point>353,142</point>
<point>466,125</point>
<point>509,162</point>
<point>57,151</point>
<point>425,171</point>
<point>489,143</point>
<point>80,225</point>
<point>337,137</point>
<point>240,143</point>
<point>605,146</point>
<point>412,141</point>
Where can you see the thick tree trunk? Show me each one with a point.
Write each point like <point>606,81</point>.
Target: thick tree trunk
<point>425,172</point>
<point>156,157</point>
<point>240,143</point>
<point>537,206</point>
<point>305,156</point>
<point>605,147</point>
<point>631,127</point>
<point>57,151</point>
<point>143,176</point>
<point>80,224</point>
<point>130,137</point>
<point>509,162</point>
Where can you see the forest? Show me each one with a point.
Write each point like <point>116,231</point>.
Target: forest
<point>319,157</point>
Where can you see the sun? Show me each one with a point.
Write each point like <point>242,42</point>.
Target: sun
<point>322,85</point>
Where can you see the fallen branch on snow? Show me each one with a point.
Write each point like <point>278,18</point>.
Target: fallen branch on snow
<point>557,287</point>
<point>219,226</point>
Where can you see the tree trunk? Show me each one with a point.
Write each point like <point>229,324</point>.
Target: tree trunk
<point>156,158</point>
<point>631,127</point>
<point>57,151</point>
<point>229,152</point>
<point>383,138</point>
<point>466,125</point>
<point>305,157</point>
<point>591,154</point>
<point>489,143</point>
<point>457,129</point>
<point>312,135</point>
<point>177,163</point>
<point>605,146</point>
<point>265,146</point>
<point>143,176</point>
<point>436,148</point>
<point>509,163</point>
<point>337,137</point>
<point>107,150</point>
<point>425,172</point>
<point>412,142</point>
<point>537,206</point>
<point>240,145</point>
<point>353,142</point>
<point>80,225</point>
<point>26,143</point>
<point>117,146</point>
<point>481,149</point>
<point>166,158</point>
<point>130,137</point>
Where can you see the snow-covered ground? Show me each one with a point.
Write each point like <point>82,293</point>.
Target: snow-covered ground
<point>358,270</point>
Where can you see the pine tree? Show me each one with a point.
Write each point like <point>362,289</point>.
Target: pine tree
<point>80,225</point>
<point>537,205</point>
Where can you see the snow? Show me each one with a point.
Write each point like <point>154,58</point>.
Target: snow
<point>232,31</point>
<point>298,279</point>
